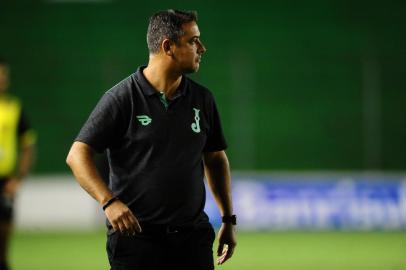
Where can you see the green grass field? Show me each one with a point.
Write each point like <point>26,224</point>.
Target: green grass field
<point>255,251</point>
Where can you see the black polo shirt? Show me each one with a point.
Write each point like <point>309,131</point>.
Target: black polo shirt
<point>155,152</point>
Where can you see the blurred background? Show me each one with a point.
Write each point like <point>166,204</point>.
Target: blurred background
<point>312,98</point>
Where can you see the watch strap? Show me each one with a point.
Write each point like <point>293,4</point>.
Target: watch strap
<point>229,219</point>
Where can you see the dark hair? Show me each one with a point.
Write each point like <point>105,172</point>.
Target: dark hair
<point>167,24</point>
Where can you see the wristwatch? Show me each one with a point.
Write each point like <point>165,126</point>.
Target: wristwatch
<point>229,219</point>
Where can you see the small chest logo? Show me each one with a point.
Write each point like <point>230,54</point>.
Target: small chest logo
<point>145,120</point>
<point>196,124</point>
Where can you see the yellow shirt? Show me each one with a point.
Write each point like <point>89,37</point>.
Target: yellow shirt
<point>10,139</point>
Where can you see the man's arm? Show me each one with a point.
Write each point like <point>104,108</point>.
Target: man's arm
<point>217,172</point>
<point>80,160</point>
<point>26,160</point>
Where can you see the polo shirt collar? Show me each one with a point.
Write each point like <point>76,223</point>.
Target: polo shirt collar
<point>149,90</point>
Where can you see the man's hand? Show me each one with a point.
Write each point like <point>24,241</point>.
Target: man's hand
<point>227,242</point>
<point>11,187</point>
<point>122,219</point>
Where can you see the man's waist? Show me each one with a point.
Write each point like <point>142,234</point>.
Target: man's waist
<point>165,229</point>
<point>148,228</point>
<point>159,227</point>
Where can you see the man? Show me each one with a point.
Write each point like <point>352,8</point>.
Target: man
<point>15,135</point>
<point>162,133</point>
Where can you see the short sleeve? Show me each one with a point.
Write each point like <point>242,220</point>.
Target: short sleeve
<point>104,125</point>
<point>25,133</point>
<point>23,124</point>
<point>215,139</point>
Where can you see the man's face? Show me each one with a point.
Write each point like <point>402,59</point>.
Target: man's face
<point>3,79</point>
<point>189,49</point>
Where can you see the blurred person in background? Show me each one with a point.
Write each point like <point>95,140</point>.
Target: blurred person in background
<point>17,141</point>
<point>162,132</point>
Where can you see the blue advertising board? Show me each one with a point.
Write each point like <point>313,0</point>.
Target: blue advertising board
<point>317,202</point>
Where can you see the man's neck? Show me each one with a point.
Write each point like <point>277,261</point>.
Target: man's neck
<point>162,78</point>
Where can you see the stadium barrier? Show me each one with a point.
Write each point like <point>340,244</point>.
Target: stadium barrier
<point>275,201</point>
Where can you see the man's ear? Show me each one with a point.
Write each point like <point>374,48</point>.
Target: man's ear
<point>167,47</point>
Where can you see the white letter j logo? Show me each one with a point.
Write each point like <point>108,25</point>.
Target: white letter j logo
<point>196,125</point>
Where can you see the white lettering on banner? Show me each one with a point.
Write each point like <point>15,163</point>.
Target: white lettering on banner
<point>338,204</point>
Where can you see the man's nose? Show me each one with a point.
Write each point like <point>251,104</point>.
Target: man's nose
<point>202,49</point>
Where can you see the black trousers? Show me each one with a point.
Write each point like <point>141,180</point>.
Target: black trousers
<point>190,249</point>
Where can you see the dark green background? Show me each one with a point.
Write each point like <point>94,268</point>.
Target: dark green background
<point>301,85</point>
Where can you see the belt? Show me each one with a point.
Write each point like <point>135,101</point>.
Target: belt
<point>165,229</point>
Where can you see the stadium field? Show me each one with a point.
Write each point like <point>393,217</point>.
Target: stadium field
<point>255,251</point>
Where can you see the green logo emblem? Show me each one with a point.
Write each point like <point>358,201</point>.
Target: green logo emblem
<point>196,125</point>
<point>144,120</point>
